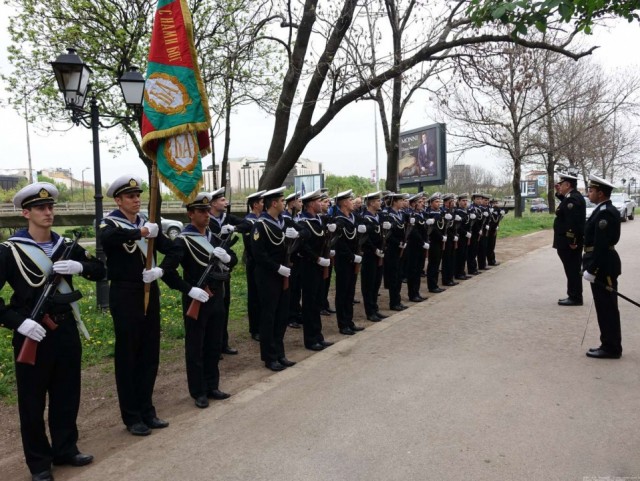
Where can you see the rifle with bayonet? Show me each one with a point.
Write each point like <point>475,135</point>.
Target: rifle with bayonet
<point>27,354</point>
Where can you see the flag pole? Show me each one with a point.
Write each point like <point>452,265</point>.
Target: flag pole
<point>153,217</point>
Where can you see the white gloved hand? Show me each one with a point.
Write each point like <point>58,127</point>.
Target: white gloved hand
<point>502,212</point>
<point>455,238</point>
<point>486,227</point>
<point>284,271</point>
<point>491,209</point>
<point>150,275</point>
<point>357,259</point>
<point>426,246</point>
<point>198,294</point>
<point>153,229</point>
<point>402,245</point>
<point>472,216</point>
<point>497,228</point>
<point>33,330</point>
<point>332,253</point>
<point>485,214</point>
<point>444,238</point>
<point>332,227</point>
<point>222,254</point>
<point>291,233</point>
<point>386,225</point>
<point>457,218</point>
<point>412,220</point>
<point>379,253</point>
<point>362,229</point>
<point>468,235</point>
<point>67,267</point>
<point>448,216</point>
<point>431,221</point>
<point>227,229</point>
<point>588,276</point>
<point>323,262</point>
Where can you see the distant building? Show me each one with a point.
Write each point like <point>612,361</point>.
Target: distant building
<point>9,178</point>
<point>65,177</point>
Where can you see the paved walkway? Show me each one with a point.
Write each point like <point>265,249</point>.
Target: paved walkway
<point>486,381</point>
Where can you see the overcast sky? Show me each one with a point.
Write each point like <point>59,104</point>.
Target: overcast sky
<point>345,147</point>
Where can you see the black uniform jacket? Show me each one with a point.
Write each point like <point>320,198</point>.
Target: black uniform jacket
<point>601,234</point>
<point>268,243</point>
<point>568,226</point>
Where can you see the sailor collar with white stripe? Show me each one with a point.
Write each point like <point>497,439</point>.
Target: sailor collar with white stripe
<point>192,230</point>
<point>304,215</point>
<point>372,216</point>
<point>267,218</point>
<point>220,221</point>
<point>119,216</point>
<point>351,217</point>
<point>23,236</point>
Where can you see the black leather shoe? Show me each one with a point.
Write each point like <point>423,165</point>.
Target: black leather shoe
<point>331,311</point>
<point>286,362</point>
<point>217,394</point>
<point>255,337</point>
<point>75,460</point>
<point>602,354</point>
<point>202,402</point>
<point>139,429</point>
<point>591,349</point>
<point>416,299</point>
<point>475,273</point>
<point>451,283</point>
<point>324,312</point>
<point>326,343</point>
<point>485,268</point>
<point>156,423</point>
<point>398,307</point>
<point>437,290</point>
<point>295,325</point>
<point>381,316</point>
<point>570,302</point>
<point>357,328</point>
<point>356,301</point>
<point>463,278</point>
<point>347,331</point>
<point>229,350</point>
<point>315,347</point>
<point>494,264</point>
<point>274,366</point>
<point>373,318</point>
<point>42,476</point>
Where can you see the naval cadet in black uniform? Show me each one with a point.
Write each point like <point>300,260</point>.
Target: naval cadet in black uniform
<point>437,238</point>
<point>417,247</point>
<point>293,206</point>
<point>464,236</point>
<point>568,235</point>
<point>373,255</point>
<point>602,267</point>
<point>26,261</point>
<point>392,272</point>
<point>475,223</point>
<point>495,216</point>
<point>451,244</point>
<point>203,329</point>
<point>124,236</point>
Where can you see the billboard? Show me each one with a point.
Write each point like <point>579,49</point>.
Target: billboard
<point>308,183</point>
<point>422,156</point>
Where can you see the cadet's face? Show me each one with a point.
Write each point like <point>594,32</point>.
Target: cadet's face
<point>199,218</point>
<point>218,205</point>
<point>594,195</point>
<point>463,203</point>
<point>278,205</point>
<point>347,205</point>
<point>315,206</point>
<point>435,204</point>
<point>39,215</point>
<point>325,205</point>
<point>129,203</point>
<point>374,205</point>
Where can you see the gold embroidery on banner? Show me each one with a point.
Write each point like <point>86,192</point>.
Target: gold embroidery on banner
<point>166,94</point>
<point>181,151</point>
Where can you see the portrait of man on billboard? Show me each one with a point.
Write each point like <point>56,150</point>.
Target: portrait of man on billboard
<point>422,156</point>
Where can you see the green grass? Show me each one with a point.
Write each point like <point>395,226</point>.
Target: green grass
<point>527,224</point>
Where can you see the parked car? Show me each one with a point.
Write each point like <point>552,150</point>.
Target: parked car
<point>539,207</point>
<point>624,204</point>
<point>169,226</point>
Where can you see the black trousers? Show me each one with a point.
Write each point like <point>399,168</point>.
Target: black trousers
<point>572,263</point>
<point>415,255</point>
<point>433,266</point>
<point>274,314</point>
<point>345,291</point>
<point>370,281</point>
<point>203,343</point>
<point>137,348</point>
<point>227,303</point>
<point>312,285</point>
<point>326,287</point>
<point>461,257</point>
<point>393,275</point>
<point>253,304</point>
<point>482,251</point>
<point>56,373</point>
<point>606,304</point>
<point>448,261</point>
<point>472,254</point>
<point>295,284</point>
<point>491,247</point>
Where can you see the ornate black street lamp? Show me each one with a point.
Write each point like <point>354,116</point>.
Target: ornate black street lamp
<point>72,75</point>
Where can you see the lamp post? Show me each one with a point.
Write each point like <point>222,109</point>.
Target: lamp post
<point>72,75</point>
<point>84,200</point>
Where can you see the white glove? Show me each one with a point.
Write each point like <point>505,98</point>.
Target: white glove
<point>362,229</point>
<point>379,253</point>
<point>386,225</point>
<point>227,229</point>
<point>150,275</point>
<point>588,276</point>
<point>284,271</point>
<point>472,216</point>
<point>491,209</point>
<point>357,259</point>
<point>31,329</point>
<point>332,253</point>
<point>448,216</point>
<point>457,218</point>
<point>444,238</point>
<point>497,228</point>
<point>67,267</point>
<point>468,235</point>
<point>485,214</point>
<point>430,221</point>
<point>502,212</point>
<point>455,238</point>
<point>402,245</point>
<point>222,254</point>
<point>332,227</point>
<point>412,220</point>
<point>198,294</point>
<point>486,227</point>
<point>291,233</point>
<point>324,262</point>
<point>153,229</point>
<point>426,246</point>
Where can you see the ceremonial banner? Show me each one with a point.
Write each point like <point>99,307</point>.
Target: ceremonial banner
<point>175,119</point>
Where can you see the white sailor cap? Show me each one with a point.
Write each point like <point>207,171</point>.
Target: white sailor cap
<point>35,194</point>
<point>397,195</point>
<point>347,194</point>
<point>216,194</point>
<point>435,196</point>
<point>373,196</point>
<point>600,183</point>
<point>292,196</point>
<point>415,197</point>
<point>567,176</point>
<point>201,201</point>
<point>310,196</point>
<point>279,192</point>
<point>255,195</point>
<point>448,196</point>
<point>125,184</point>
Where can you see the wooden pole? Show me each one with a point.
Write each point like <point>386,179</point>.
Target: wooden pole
<point>153,214</point>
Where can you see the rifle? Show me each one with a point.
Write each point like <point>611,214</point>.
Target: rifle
<point>407,232</point>
<point>194,308</point>
<point>384,236</point>
<point>329,242</point>
<point>362,238</point>
<point>27,354</point>
<point>291,246</point>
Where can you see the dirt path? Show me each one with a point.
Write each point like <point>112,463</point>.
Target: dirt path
<point>101,430</point>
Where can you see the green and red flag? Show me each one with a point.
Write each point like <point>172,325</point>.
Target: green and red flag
<point>175,119</point>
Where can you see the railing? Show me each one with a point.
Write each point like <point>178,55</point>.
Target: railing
<point>88,207</point>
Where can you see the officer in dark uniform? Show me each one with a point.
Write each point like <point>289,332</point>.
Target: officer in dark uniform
<point>270,239</point>
<point>373,255</point>
<point>602,267</point>
<point>203,330</point>
<point>327,218</point>
<point>124,236</point>
<point>464,236</point>
<point>417,247</point>
<point>475,221</point>
<point>436,217</point>
<point>392,272</point>
<point>451,245</point>
<point>568,235</point>
<point>26,260</point>
<point>495,216</point>
<point>290,215</point>
<point>313,263</point>
<point>483,204</point>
